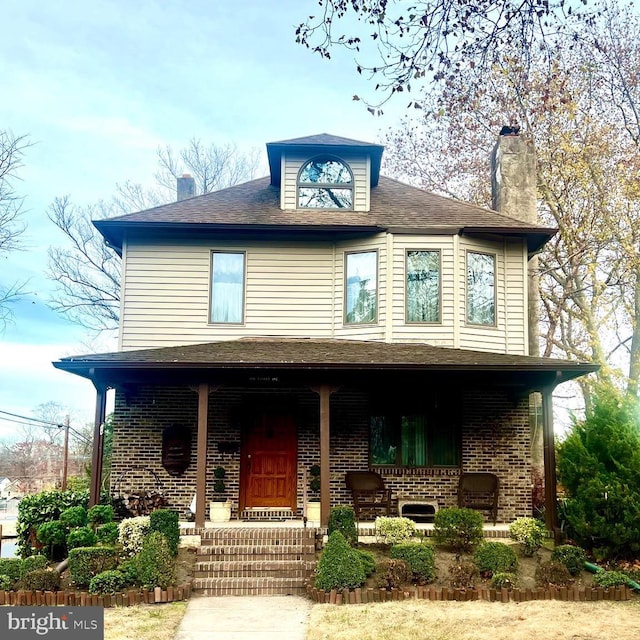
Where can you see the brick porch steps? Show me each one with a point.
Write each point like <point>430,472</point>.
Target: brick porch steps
<point>249,561</point>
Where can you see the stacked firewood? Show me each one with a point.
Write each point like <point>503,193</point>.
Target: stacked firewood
<point>142,503</point>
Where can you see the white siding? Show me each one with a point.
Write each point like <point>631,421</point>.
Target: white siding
<point>360,167</point>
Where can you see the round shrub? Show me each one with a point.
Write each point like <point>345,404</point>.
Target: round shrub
<point>343,519</point>
<point>395,530</point>
<point>81,537</point>
<point>529,532</point>
<point>107,582</point>
<point>607,579</point>
<point>74,517</point>
<point>156,564</point>
<point>463,574</point>
<point>41,580</point>
<point>5,583</point>
<point>552,572</point>
<point>392,573</point>
<point>32,563</point>
<point>130,572</point>
<point>368,561</point>
<point>53,535</point>
<point>571,557</point>
<point>340,566</point>
<point>495,557</point>
<point>166,522</point>
<point>12,568</point>
<point>419,557</point>
<point>87,562</point>
<point>100,514</point>
<point>107,533</point>
<point>459,529</point>
<point>506,580</point>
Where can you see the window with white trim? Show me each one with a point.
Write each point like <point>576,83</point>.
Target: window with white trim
<point>227,287</point>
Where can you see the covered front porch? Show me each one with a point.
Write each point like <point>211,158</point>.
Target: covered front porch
<point>267,410</point>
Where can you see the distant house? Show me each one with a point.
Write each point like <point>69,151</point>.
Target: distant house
<point>323,315</point>
<point>10,489</point>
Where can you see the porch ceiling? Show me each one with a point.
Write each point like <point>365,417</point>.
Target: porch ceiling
<point>321,360</point>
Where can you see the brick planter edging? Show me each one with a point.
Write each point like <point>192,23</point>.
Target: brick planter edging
<point>569,594</point>
<point>85,599</point>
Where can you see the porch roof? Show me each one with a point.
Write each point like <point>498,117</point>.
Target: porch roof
<point>317,355</point>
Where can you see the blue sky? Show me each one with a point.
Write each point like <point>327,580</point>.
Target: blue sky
<point>99,85</point>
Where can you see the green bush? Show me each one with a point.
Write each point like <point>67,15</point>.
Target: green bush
<point>156,564</point>
<point>529,532</point>
<point>35,510</point>
<point>32,563</point>
<point>131,534</point>
<point>343,519</point>
<point>109,582</point>
<point>100,514</point>
<point>552,572</point>
<point>340,566</point>
<point>107,534</point>
<point>504,580</point>
<point>12,568</point>
<point>368,562</point>
<point>74,517</point>
<point>53,535</point>
<point>495,557</point>
<point>463,574</point>
<point>129,569</point>
<point>599,467</point>
<point>607,579</point>
<point>81,537</point>
<point>87,562</point>
<point>6,583</point>
<point>392,573</point>
<point>460,529</point>
<point>395,530</point>
<point>419,557</point>
<point>571,557</point>
<point>166,522</point>
<point>41,580</point>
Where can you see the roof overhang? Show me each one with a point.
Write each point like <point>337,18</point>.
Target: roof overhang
<point>299,361</point>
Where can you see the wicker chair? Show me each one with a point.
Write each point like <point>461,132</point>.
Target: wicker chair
<point>368,491</point>
<point>479,491</point>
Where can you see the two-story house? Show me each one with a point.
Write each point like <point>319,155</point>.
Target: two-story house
<point>323,315</point>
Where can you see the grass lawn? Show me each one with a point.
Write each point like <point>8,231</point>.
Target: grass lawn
<point>143,622</point>
<point>545,620</point>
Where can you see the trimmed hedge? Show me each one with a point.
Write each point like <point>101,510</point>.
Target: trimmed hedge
<point>155,563</point>
<point>108,582</point>
<point>87,562</point>
<point>131,534</point>
<point>340,566</point>
<point>41,580</point>
<point>166,522</point>
<point>74,517</point>
<point>419,557</point>
<point>529,532</point>
<point>12,568</point>
<point>100,514</point>
<point>495,557</point>
<point>571,557</point>
<point>107,534</point>
<point>343,519</point>
<point>460,529</point>
<point>81,537</point>
<point>395,530</point>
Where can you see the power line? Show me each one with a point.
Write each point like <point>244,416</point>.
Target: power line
<point>45,424</point>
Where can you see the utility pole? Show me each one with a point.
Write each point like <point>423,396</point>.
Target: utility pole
<point>65,463</point>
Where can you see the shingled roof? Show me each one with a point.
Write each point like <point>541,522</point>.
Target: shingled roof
<point>320,354</point>
<point>255,205</point>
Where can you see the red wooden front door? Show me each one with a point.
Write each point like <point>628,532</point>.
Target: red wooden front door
<point>269,462</point>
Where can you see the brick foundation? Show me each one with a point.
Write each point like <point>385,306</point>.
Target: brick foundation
<point>495,438</point>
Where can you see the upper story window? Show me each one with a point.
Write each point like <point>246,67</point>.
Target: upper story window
<point>481,288</point>
<point>227,286</point>
<point>361,287</point>
<point>423,286</point>
<point>325,183</point>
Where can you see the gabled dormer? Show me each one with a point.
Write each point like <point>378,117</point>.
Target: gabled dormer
<point>324,172</point>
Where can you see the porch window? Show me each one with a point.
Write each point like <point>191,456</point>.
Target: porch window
<point>227,287</point>
<point>361,287</point>
<point>481,288</point>
<point>423,286</point>
<point>414,440</point>
<point>325,183</point>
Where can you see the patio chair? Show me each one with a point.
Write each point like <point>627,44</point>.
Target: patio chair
<point>368,491</point>
<point>479,491</point>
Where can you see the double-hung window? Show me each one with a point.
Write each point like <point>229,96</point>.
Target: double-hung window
<point>361,287</point>
<point>481,288</point>
<point>426,437</point>
<point>227,287</point>
<point>423,286</point>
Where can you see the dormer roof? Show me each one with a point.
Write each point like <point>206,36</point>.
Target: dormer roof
<point>323,143</point>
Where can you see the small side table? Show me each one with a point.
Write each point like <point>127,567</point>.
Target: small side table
<point>418,510</point>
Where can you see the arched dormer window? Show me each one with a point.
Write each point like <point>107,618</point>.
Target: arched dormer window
<point>325,183</point>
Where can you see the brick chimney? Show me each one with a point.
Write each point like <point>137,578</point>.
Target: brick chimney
<point>186,187</point>
<point>513,176</point>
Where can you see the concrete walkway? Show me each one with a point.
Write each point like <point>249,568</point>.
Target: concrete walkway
<point>245,618</point>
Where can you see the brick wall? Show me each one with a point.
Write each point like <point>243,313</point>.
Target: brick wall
<point>495,437</point>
